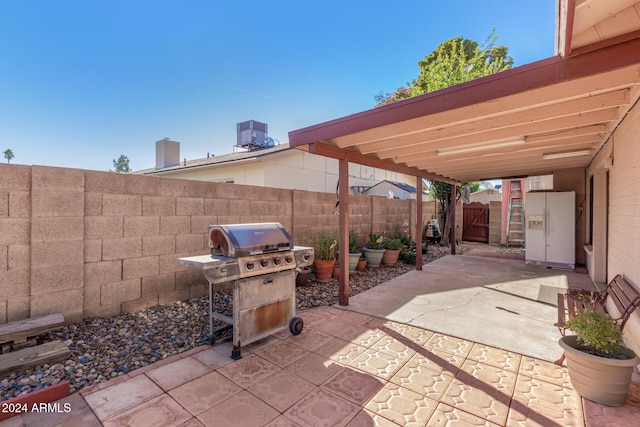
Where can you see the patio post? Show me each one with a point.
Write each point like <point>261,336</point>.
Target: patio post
<point>418,223</point>
<point>452,238</point>
<point>343,245</point>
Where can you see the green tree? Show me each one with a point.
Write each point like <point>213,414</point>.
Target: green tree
<point>454,61</point>
<point>8,154</point>
<point>121,165</point>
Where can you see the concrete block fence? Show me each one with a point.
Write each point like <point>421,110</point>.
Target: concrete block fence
<point>88,243</point>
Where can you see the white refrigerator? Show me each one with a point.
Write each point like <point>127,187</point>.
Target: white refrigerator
<point>550,229</point>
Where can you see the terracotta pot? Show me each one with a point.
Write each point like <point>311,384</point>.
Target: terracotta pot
<point>596,378</point>
<point>362,264</point>
<point>390,256</point>
<point>336,272</point>
<point>323,269</point>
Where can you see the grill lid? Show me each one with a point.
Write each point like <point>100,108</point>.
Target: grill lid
<point>238,240</point>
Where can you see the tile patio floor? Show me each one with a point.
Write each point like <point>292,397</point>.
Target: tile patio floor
<point>344,369</point>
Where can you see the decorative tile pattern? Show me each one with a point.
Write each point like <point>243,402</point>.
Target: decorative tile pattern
<point>260,344</point>
<point>315,368</point>
<point>355,386</point>
<point>446,416</point>
<point>495,357</point>
<point>350,332</point>
<point>378,363</point>
<point>310,339</point>
<point>355,318</point>
<point>281,390</point>
<point>393,346</point>
<point>314,317</point>
<point>321,408</point>
<point>160,411</point>
<point>449,344</point>
<point>417,375</point>
<point>113,400</point>
<point>283,353</point>
<point>244,409</point>
<point>368,419</point>
<point>248,370</point>
<point>177,373</point>
<point>340,351</point>
<point>545,371</point>
<point>539,403</point>
<point>201,394</point>
<point>415,335</point>
<point>402,406</point>
<point>482,390</point>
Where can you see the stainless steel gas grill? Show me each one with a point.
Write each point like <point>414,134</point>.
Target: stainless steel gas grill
<point>259,263</point>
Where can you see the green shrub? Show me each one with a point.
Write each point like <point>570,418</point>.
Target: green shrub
<point>597,332</point>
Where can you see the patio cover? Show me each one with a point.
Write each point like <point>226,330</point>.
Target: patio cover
<point>553,114</point>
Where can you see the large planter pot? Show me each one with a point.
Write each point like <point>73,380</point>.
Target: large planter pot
<point>596,378</point>
<point>373,256</point>
<point>390,256</point>
<point>353,261</point>
<point>323,269</point>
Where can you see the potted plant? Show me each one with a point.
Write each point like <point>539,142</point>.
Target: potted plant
<point>391,250</point>
<point>354,250</point>
<point>600,367</point>
<point>324,246</point>
<point>373,250</point>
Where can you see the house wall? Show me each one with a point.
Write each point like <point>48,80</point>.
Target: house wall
<point>290,169</point>
<point>89,243</point>
<point>485,196</point>
<point>620,157</point>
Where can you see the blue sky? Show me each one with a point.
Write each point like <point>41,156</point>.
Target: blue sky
<point>82,82</point>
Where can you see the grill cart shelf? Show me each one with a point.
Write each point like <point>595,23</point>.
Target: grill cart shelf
<point>259,263</point>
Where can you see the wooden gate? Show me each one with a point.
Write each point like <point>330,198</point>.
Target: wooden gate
<point>475,222</point>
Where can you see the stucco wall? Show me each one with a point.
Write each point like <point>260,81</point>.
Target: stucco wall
<point>89,243</point>
<point>621,157</point>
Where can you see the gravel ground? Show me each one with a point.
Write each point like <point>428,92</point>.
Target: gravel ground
<point>103,348</point>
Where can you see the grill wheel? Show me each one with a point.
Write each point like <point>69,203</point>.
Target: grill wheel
<point>296,325</point>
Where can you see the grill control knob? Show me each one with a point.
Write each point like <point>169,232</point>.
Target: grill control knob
<point>288,260</point>
<point>306,257</point>
<point>264,263</point>
<point>277,261</point>
<point>249,266</point>
<point>223,270</point>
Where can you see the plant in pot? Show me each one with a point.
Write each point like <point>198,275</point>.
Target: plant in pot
<point>354,250</point>
<point>324,246</point>
<point>599,365</point>
<point>373,250</point>
<point>391,250</point>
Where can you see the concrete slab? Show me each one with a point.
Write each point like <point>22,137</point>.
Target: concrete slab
<point>486,300</point>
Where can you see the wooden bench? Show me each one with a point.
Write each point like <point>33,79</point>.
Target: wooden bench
<point>22,333</point>
<point>620,291</point>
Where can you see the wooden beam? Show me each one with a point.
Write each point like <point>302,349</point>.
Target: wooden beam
<point>452,239</point>
<point>328,150</point>
<point>418,236</point>
<point>343,197</point>
<point>555,124</point>
<point>524,115</point>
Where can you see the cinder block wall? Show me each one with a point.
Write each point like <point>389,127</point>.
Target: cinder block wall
<point>88,243</point>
